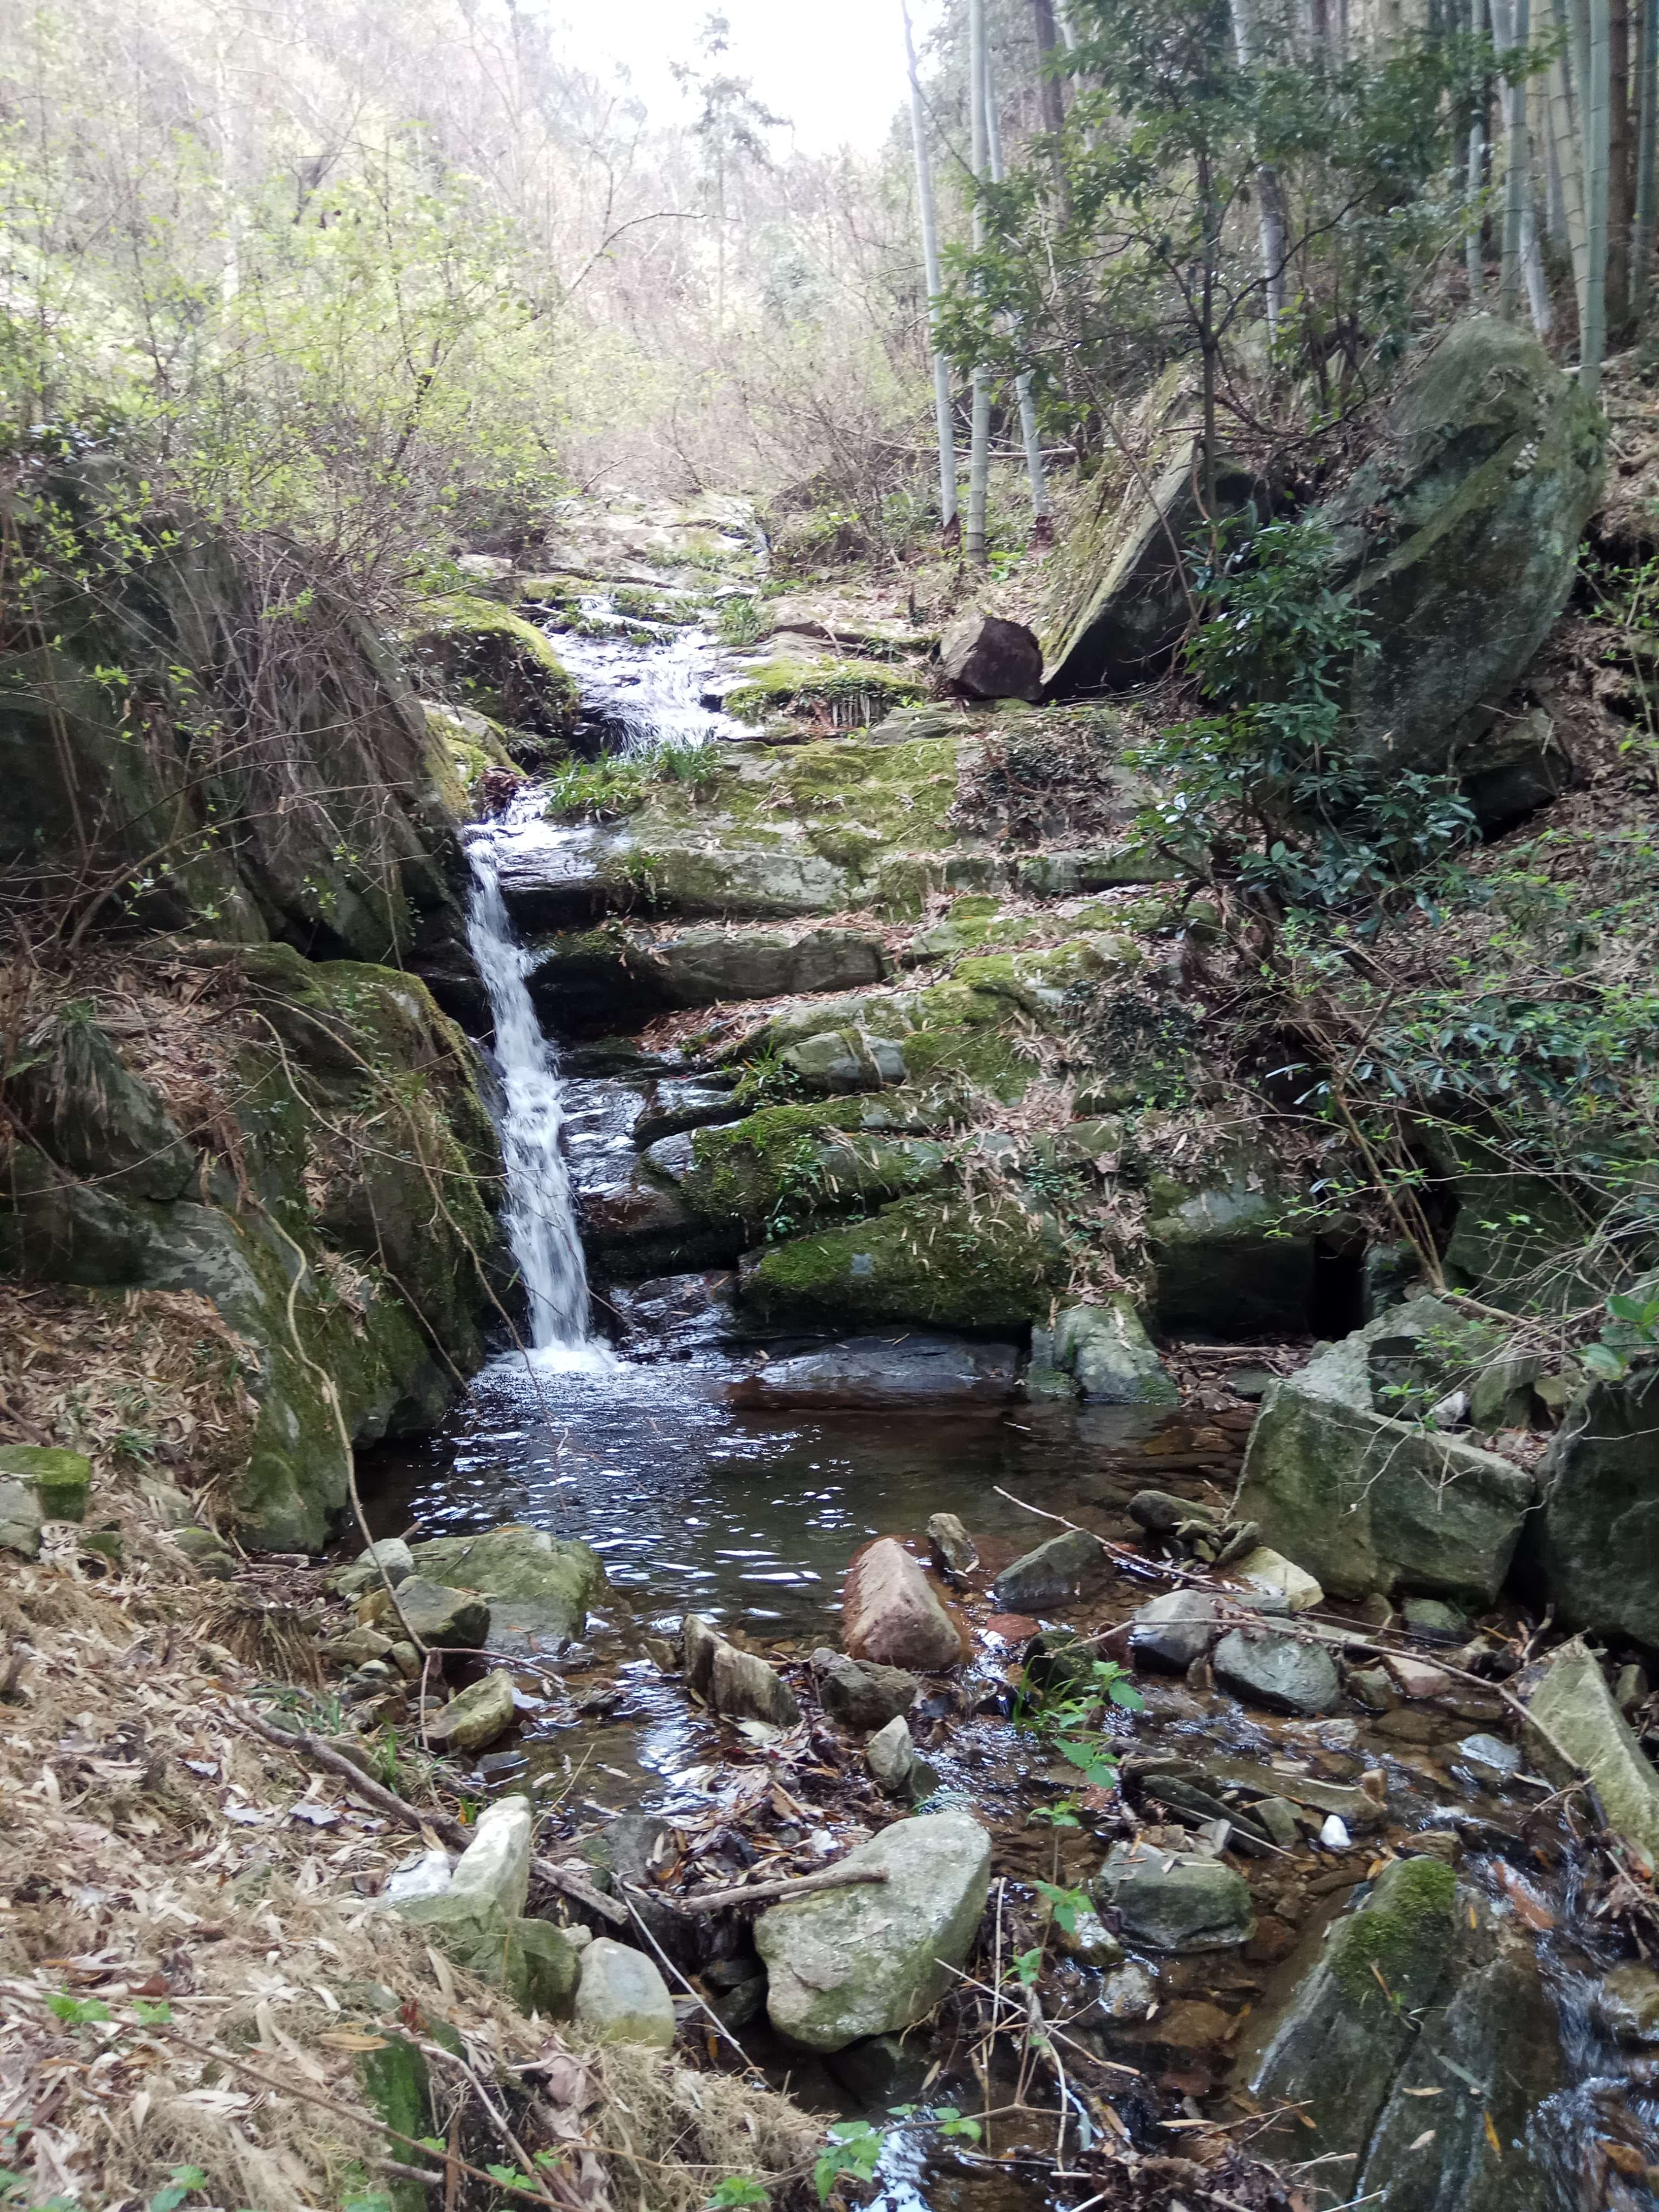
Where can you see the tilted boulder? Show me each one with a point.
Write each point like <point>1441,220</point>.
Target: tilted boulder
<point>1458,537</point>
<point>988,657</point>
<point>1365,1501</point>
<point>891,1613</point>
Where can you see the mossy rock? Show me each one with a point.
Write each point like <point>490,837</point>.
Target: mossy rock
<point>493,661</point>
<point>518,1563</point>
<point>59,1480</point>
<point>953,1264</point>
<point>851,691</point>
<point>1230,1253</point>
<point>787,1165</point>
<point>465,746</point>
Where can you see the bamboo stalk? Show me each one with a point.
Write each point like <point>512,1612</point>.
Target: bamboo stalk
<point>943,423</point>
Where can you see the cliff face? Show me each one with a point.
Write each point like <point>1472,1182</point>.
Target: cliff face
<point>221,810</point>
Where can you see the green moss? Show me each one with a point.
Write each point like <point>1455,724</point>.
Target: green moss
<point>861,690</point>
<point>952,1264</point>
<point>1402,1933</point>
<point>494,662</point>
<point>789,1165</point>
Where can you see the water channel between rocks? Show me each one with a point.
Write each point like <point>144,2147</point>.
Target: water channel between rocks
<point>697,1501</point>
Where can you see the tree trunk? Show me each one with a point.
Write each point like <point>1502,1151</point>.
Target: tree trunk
<point>943,424</point>
<point>1474,262</point>
<point>1621,164</point>
<point>979,450</point>
<point>1042,512</point>
<point>1050,88</point>
<point>1647,115</point>
<point>1567,137</point>
<point>1512,28</point>
<point>1593,338</point>
<point>1270,199</point>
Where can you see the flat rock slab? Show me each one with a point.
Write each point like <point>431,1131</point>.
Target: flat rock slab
<point>875,1959</point>
<point>875,1371</point>
<point>1054,1572</point>
<point>1576,1706</point>
<point>891,1613</point>
<point>1175,1900</point>
<point>1277,1671</point>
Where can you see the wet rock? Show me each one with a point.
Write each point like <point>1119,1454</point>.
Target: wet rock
<point>364,1573</point>
<point>675,1103</point>
<point>893,1760</point>
<point>1596,1536</point>
<point>1628,2003</point>
<point>473,1720</point>
<point>859,1695</point>
<point>1358,1808</point>
<point>701,1641</point>
<point>876,1371</point>
<point>1273,1573</point>
<point>882,2070</point>
<point>1088,1940</point>
<point>1173,1630</point>
<point>1374,1687</point>
<point>443,1618</point>
<point>515,1564</point>
<point>1367,1502</point>
<point>1498,2037</point>
<point>951,1546</point>
<point>1415,1678</point>
<point>1107,1352</point>
<point>1493,1759</point>
<point>1129,1994</point>
<point>1575,1706</point>
<point>875,1959</point>
<point>1286,1675</point>
<point>1160,1513</point>
<point>1336,2047</point>
<point>891,1613</point>
<point>618,976</point>
<point>1054,1572</point>
<point>676,1313</point>
<point>987,657</point>
<point>621,1998</point>
<point>1175,1900</point>
<point>743,1687</point>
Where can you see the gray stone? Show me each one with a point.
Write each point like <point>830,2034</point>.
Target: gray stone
<point>743,1687</point>
<point>701,1641</point>
<point>1367,1502</point>
<point>1278,1816</point>
<point>208,1553</point>
<point>990,657</point>
<point>1160,1513</point>
<point>1458,537</point>
<point>1374,1687</point>
<point>1108,1352</point>
<point>621,1998</point>
<point>1575,1706</point>
<point>477,1717</point>
<point>518,1563</point>
<point>891,1755</point>
<point>951,1545</point>
<point>1333,2049</point>
<point>1598,1536</point>
<point>1175,1900</point>
<point>876,1959</point>
<point>423,1874</point>
<point>443,1618</point>
<point>21,1519</point>
<point>1129,1995</point>
<point>1088,1940</point>
<point>1493,1760</point>
<point>836,1061</point>
<point>1436,1621</point>
<point>860,1695</point>
<point>364,1573</point>
<point>496,1864</point>
<point>1173,1630</point>
<point>1280,1671</point>
<point>1054,1572</point>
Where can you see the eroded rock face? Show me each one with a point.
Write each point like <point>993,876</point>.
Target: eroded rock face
<point>1106,1350</point>
<point>874,1959</point>
<point>1364,1501</point>
<point>1459,538</point>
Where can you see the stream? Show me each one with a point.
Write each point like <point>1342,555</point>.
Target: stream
<point>696,1501</point>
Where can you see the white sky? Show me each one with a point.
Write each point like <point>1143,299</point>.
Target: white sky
<point>834,68</point>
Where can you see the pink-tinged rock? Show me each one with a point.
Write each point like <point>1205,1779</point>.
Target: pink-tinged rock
<point>891,1613</point>
<point>1012,1627</point>
<point>1416,1679</point>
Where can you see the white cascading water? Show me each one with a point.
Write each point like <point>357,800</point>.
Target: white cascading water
<point>540,1215</point>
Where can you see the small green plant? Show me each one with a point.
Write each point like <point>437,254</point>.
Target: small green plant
<point>736,2191</point>
<point>740,622</point>
<point>1064,1705</point>
<point>1632,1325</point>
<point>1063,1905</point>
<point>78,2012</point>
<point>184,2181</point>
<point>852,2153</point>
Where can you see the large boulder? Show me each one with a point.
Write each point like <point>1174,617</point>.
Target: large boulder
<point>987,657</point>
<point>1108,1353</point>
<point>1365,1500</point>
<point>1458,537</point>
<point>1334,2051</point>
<point>620,973</point>
<point>1596,1541</point>
<point>1226,1250</point>
<point>876,1959</point>
<point>490,659</point>
<point>892,1614</point>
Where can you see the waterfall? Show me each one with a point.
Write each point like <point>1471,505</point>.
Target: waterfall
<point>540,1214</point>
